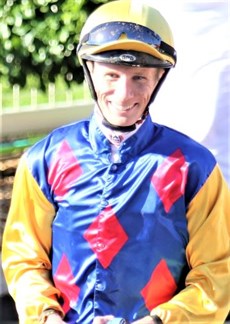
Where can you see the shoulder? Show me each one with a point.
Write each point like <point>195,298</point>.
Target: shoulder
<point>187,154</point>
<point>69,133</point>
<point>56,150</point>
<point>58,143</point>
<point>192,150</point>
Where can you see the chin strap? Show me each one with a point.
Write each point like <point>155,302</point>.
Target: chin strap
<point>123,129</point>
<point>105,122</point>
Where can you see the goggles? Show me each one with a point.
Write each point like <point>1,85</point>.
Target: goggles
<point>113,31</point>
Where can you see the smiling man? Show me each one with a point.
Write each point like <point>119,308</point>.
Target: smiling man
<point>123,92</point>
<point>117,219</point>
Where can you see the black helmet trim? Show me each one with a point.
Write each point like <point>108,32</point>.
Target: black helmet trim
<point>127,57</point>
<point>116,30</point>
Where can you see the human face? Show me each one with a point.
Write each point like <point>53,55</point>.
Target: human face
<point>123,92</point>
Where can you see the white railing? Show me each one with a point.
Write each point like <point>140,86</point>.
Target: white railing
<point>15,95</point>
<point>22,120</point>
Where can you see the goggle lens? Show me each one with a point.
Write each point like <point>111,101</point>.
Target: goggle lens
<point>113,31</point>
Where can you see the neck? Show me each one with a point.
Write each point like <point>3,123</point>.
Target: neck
<point>116,135</point>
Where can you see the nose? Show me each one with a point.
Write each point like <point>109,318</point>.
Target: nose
<point>124,89</point>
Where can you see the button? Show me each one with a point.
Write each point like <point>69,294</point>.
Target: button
<point>114,167</point>
<point>100,246</point>
<point>100,286</point>
<point>116,158</point>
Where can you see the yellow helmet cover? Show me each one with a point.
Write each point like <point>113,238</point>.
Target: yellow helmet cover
<point>127,25</point>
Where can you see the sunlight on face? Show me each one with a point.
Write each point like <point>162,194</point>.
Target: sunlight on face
<point>123,92</point>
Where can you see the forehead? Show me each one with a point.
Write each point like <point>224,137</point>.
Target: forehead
<point>98,66</point>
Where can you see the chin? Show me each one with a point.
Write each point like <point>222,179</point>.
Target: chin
<point>119,122</point>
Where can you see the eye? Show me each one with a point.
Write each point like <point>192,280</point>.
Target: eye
<point>111,75</point>
<point>139,77</point>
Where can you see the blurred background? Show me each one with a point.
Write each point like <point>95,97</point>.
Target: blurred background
<point>41,82</point>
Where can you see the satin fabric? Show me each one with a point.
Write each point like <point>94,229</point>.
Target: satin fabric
<point>149,233</point>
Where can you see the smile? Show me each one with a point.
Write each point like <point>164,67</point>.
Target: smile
<point>122,108</point>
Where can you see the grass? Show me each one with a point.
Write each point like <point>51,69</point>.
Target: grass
<point>15,147</point>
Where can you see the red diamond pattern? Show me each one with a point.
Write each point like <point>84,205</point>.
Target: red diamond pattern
<point>64,170</point>
<point>160,288</point>
<point>64,280</point>
<point>170,179</point>
<point>106,236</point>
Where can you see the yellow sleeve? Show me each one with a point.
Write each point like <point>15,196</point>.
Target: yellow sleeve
<point>206,298</point>
<point>26,247</point>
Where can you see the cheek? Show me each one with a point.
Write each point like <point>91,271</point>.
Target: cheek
<point>146,93</point>
<point>101,87</point>
<point>102,93</point>
<point>152,86</point>
<point>98,89</point>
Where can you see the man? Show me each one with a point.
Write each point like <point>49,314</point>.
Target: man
<point>118,219</point>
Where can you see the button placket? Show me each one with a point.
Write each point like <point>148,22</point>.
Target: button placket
<point>104,202</point>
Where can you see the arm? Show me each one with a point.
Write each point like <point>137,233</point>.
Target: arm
<point>206,296</point>
<point>26,247</point>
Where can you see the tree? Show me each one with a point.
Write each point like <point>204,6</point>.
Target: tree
<point>40,37</point>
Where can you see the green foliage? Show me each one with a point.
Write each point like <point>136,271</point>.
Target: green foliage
<point>40,37</point>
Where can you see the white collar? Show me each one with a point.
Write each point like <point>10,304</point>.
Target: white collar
<point>115,137</point>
